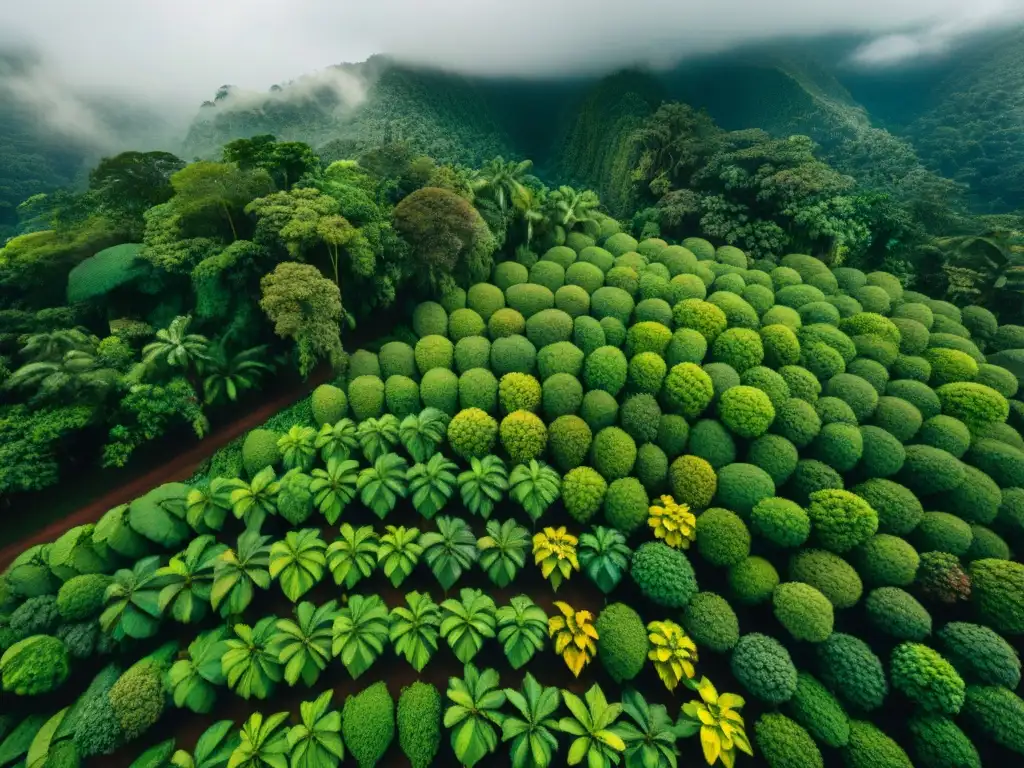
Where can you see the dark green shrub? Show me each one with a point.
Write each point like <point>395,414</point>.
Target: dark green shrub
<point>463,323</point>
<point>804,611</point>
<point>664,575</point>
<point>937,742</point>
<point>852,672</point>
<point>930,470</point>
<point>741,487</point>
<point>926,678</point>
<point>621,641</point>
<point>640,417</point>
<point>561,395</point>
<point>402,395</point>
<point>599,258</point>
<point>781,347</point>
<point>673,432</point>
<point>941,578</point>
<point>606,368</point>
<point>840,520</point>
<point>899,510</point>
<point>723,377</point>
<point>478,389</point>
<point>999,379</point>
<point>549,274</point>
<point>829,574</point>
<point>625,504</point>
<point>976,500</point>
<point>693,481</point>
<point>780,521</point>
<point>713,442</point>
<point>768,381</point>
<point>885,560</point>
<point>711,622</point>
<point>775,455</point>
<point>819,312</point>
<point>329,404</point>
<point>549,326</point>
<point>753,581</point>
<point>796,296</point>
<point>569,440</point>
<point>872,371</point>
<point>506,274</point>
<point>832,410</point>
<point>980,654</point>
<point>855,392</point>
<point>883,455</point>
<point>875,348</point>
<point>942,532</point>
<point>987,544</point>
<point>472,352</point>
<point>911,368</point>
<point>529,298</point>
<point>419,723</point>
<point>839,445</point>
<point>898,417</point>
<point>830,336</point>
<point>560,357</point>
<point>896,613</point>
<point>651,467</point>
<point>1002,462</point>
<point>819,711</point>
<point>613,453</point>
<point>997,592</point>
<point>739,348</point>
<point>653,309</point>
<point>821,360</point>
<point>869,747</point>
<point>797,421</point>
<point>722,537</point>
<point>368,724</point>
<point>609,301</point>
<point>763,666</point>
<point>439,389</point>
<point>803,384</point>
<point>996,713</point>
<point>913,335</point>
<point>362,362</point>
<point>947,433</point>
<point>785,276</point>
<point>811,476</point>
<point>686,346</point>
<point>784,744</point>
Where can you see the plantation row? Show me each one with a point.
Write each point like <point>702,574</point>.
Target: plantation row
<point>836,451</point>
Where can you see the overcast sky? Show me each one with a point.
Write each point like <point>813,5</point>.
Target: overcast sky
<point>187,48</point>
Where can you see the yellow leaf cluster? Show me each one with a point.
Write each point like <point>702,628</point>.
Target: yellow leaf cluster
<point>575,636</point>
<point>674,523</point>
<point>672,651</point>
<point>722,730</point>
<point>554,550</point>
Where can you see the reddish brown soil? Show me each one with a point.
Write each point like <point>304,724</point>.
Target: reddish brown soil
<point>179,467</point>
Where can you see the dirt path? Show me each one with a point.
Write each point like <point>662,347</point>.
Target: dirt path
<point>180,467</point>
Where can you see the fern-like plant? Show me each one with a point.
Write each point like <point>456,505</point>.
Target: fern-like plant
<point>432,484</point>
<point>132,601</point>
<point>522,630</point>
<point>187,580</point>
<point>263,742</point>
<point>467,622</point>
<point>254,501</point>
<point>383,484</point>
<point>298,448</point>
<point>535,487</point>
<point>333,488</point>
<point>207,506</point>
<point>532,727</point>
<point>604,557</point>
<point>353,555</point>
<point>503,551</point>
<point>303,644</point>
<point>193,681</point>
<point>298,561</point>
<point>398,552</point>
<point>213,750</point>
<point>422,432</point>
<point>250,665</point>
<point>474,714</point>
<point>337,441</point>
<point>593,725</point>
<point>414,629</point>
<point>651,738</point>
<point>483,485</point>
<point>316,741</point>
<point>239,571</point>
<point>360,632</point>
<point>378,436</point>
<point>450,550</point>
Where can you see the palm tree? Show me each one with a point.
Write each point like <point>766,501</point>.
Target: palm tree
<point>569,207</point>
<point>53,345</point>
<point>983,268</point>
<point>503,181</point>
<point>532,212</point>
<point>175,346</point>
<point>228,376</point>
<point>76,378</point>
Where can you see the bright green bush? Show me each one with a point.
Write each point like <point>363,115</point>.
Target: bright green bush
<point>366,396</point>
<point>585,274</point>
<point>506,274</point>
<point>784,744</point>
<point>738,313</point>
<point>625,504</point>
<point>830,336</point>
<point>647,336</point>
<point>329,404</point>
<point>998,378</point>
<point>912,368</point>
<point>832,410</point>
<point>1000,431</point>
<point>472,352</point>
<point>452,298</point>
<point>855,392</point>
<point>609,301</point>
<point>138,697</point>
<point>472,433</point>
<point>572,300</point>
<point>485,298</point>
<point>513,354</point>
<point>916,311</point>
<point>896,613</point>
<point>949,366</point>
<point>702,316</point>
<point>980,654</point>
<point>780,521</point>
<point>523,436</point>
<point>913,336</point>
<point>583,491</point>
<point>883,456</point>
<point>811,476</point>
<point>686,286</point>
<point>759,297</point>
<point>620,243</point>
<point>439,389</point>
<point>722,537</point>
<point>997,592</point>
<point>873,372</point>
<point>780,315</point>
<point>885,560</point>
<point>478,389</point>
<point>796,296</point>
<point>803,384</point>
<point>624,277</point>
<point>898,417</point>
<point>871,324</point>
<point>746,411</point>
<point>613,453</point>
<point>730,282</point>
<point>819,712</point>
<point>693,481</point>
<point>783,277</point>
<point>561,357</point>
<point>869,747</point>
<point>986,544</point>
<point>899,510</point>
<point>946,433</point>
<point>926,678</point>
<point>664,575</point>
<point>797,421</point>
<point>974,404</point>
<point>804,611</point>
<point>768,381</point>
<point>839,445</point>
<point>599,409</point>
<point>614,331</point>
<point>402,395</point>
<point>560,254</point>
<point>711,623</point>
<point>822,360</point>
<point>741,487</point>
<point>840,520</point>
<point>918,394</point>
<point>688,390</point>
<point>433,352</point>
<point>549,326</point>
<point>259,450</point>
<point>569,440</point>
<point>368,724</point>
<point>463,323</point>
<point>763,666</point>
<point>942,532</point>
<point>1002,462</point>
<point>529,298</point>
<point>621,641</point>
<point>852,672</point>
<point>679,258</point>
<point>780,344</point>
<point>519,392</point>
<point>996,713</point>
<point>937,742</point>
<point>753,581</point>
<point>506,322</point>
<point>931,470</point>
<point>976,500</point>
<point>775,455</point>
<point>34,665</point>
<point>829,574</point>
<point>81,597</point>
<point>561,395</point>
<point>739,348</point>
<point>654,294</point>
<point>419,722</point>
<point>549,272</point>
<point>646,372</point>
<point>606,368</point>
<point>873,299</point>
<point>362,362</point>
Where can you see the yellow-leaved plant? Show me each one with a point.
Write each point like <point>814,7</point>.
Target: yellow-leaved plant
<point>672,651</point>
<point>674,523</point>
<point>575,636</point>
<point>554,550</point>
<point>717,719</point>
